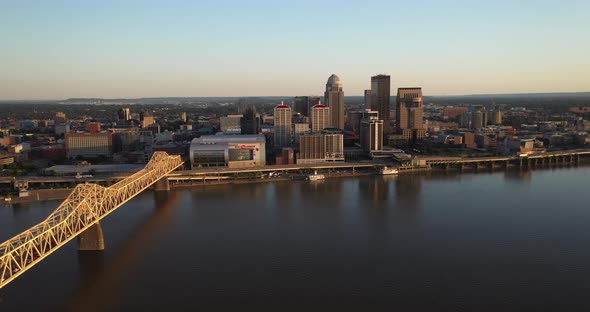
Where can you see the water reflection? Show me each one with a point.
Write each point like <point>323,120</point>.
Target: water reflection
<point>102,287</point>
<point>519,176</point>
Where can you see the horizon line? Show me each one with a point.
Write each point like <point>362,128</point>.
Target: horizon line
<point>262,96</point>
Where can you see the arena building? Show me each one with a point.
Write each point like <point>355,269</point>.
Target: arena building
<point>232,151</point>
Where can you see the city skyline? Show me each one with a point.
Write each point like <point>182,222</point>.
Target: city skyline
<point>134,49</point>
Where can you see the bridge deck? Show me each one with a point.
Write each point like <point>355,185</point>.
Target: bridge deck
<point>86,206</point>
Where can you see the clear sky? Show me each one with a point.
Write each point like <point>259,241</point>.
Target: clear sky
<point>115,48</point>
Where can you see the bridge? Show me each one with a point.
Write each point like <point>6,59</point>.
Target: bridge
<point>528,160</point>
<point>79,216</point>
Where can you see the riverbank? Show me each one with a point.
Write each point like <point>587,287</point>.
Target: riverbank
<point>38,195</point>
<point>61,194</point>
<point>259,180</point>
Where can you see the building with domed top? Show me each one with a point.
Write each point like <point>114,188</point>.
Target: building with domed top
<point>334,98</point>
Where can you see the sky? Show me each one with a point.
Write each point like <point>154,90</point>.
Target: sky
<point>128,49</point>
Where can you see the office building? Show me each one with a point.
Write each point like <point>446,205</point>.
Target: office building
<point>334,98</point>
<point>300,105</point>
<point>410,113</point>
<point>282,126</point>
<point>371,133</point>
<point>312,101</point>
<point>146,119</point>
<point>250,122</point>
<point>353,121</point>
<point>231,124</point>
<point>89,145</point>
<point>233,151</point>
<point>368,99</point>
<point>380,97</point>
<point>299,129</point>
<point>320,118</point>
<point>183,117</point>
<point>450,112</point>
<point>124,114</point>
<point>321,147</point>
<point>497,117</point>
<point>479,118</point>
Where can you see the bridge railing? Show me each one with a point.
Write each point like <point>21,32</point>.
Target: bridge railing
<point>86,205</point>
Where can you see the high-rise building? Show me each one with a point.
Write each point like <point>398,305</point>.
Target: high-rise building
<point>368,98</point>
<point>300,105</point>
<point>183,117</point>
<point>299,129</point>
<point>146,119</point>
<point>497,117</point>
<point>320,147</point>
<point>334,98</point>
<point>313,101</point>
<point>465,120</point>
<point>124,114</point>
<point>282,126</point>
<point>353,121</point>
<point>410,113</point>
<point>479,118</point>
<point>371,132</point>
<point>250,121</point>
<point>320,118</point>
<point>380,97</point>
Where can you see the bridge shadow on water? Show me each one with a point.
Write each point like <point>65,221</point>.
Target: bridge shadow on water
<point>101,278</point>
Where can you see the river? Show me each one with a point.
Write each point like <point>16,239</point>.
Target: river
<point>501,241</point>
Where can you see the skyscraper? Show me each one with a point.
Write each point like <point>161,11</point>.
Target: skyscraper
<point>380,96</point>
<point>282,126</point>
<point>320,118</point>
<point>249,121</point>
<point>479,118</point>
<point>368,99</point>
<point>410,113</point>
<point>497,116</point>
<point>371,134</point>
<point>334,98</point>
<point>124,114</point>
<point>301,105</point>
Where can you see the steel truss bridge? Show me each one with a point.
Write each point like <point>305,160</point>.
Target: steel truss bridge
<point>567,156</point>
<point>79,216</point>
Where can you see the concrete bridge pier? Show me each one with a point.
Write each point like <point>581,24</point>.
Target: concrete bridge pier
<point>162,185</point>
<point>92,238</point>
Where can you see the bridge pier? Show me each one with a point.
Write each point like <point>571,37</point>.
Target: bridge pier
<point>92,238</point>
<point>162,185</point>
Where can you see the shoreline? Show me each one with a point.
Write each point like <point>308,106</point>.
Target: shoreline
<point>41,195</point>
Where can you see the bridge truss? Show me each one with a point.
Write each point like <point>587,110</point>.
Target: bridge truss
<point>86,206</point>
